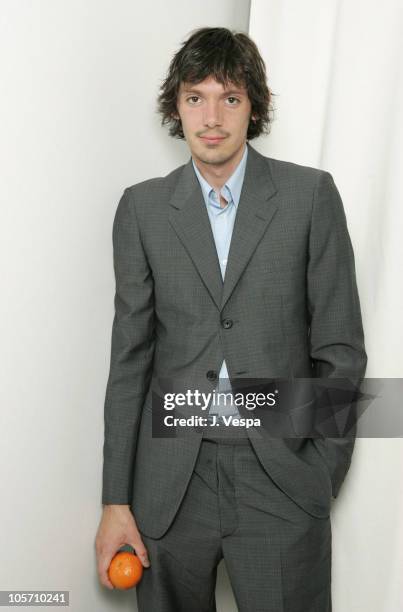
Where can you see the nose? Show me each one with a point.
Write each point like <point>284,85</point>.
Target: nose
<point>212,114</point>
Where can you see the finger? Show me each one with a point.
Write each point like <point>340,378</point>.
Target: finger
<point>103,567</point>
<point>141,551</point>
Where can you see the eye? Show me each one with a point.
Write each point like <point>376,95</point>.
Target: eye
<point>233,98</point>
<point>192,98</point>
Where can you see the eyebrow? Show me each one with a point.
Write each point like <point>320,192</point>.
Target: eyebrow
<point>225,93</point>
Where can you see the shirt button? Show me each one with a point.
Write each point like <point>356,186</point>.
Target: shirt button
<point>212,375</point>
<point>227,323</point>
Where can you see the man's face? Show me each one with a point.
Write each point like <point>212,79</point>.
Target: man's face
<point>210,110</point>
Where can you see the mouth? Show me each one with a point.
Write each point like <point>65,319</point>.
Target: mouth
<point>212,139</point>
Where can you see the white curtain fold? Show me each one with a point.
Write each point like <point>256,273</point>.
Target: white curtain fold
<point>336,67</point>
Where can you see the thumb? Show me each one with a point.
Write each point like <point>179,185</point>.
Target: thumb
<point>141,551</point>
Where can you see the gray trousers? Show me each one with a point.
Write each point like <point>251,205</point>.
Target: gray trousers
<point>277,556</point>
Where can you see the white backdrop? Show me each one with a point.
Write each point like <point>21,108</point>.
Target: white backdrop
<point>337,67</point>
<point>78,84</point>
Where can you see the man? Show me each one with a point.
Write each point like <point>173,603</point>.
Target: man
<point>232,266</point>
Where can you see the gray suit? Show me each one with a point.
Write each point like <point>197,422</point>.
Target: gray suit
<point>291,296</point>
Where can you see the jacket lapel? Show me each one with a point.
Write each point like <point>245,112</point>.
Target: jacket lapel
<point>252,218</point>
<point>189,218</point>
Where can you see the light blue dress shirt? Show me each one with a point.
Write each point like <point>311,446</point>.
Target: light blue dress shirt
<point>222,223</point>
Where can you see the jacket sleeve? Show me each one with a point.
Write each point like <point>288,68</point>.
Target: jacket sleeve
<point>132,349</point>
<point>336,334</point>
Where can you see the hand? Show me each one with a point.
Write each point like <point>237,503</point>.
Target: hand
<point>117,528</point>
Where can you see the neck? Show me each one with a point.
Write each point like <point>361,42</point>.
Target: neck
<point>217,174</point>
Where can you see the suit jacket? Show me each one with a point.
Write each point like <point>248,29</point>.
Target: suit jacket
<point>291,295</point>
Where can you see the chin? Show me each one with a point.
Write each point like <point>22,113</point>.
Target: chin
<point>214,157</point>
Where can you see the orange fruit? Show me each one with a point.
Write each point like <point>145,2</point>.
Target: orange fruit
<point>125,570</point>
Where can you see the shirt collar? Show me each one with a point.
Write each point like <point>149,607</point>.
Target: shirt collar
<point>234,183</point>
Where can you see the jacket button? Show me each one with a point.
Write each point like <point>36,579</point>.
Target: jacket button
<point>212,375</point>
<point>227,323</point>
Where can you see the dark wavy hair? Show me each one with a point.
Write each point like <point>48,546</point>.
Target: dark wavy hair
<point>228,56</point>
